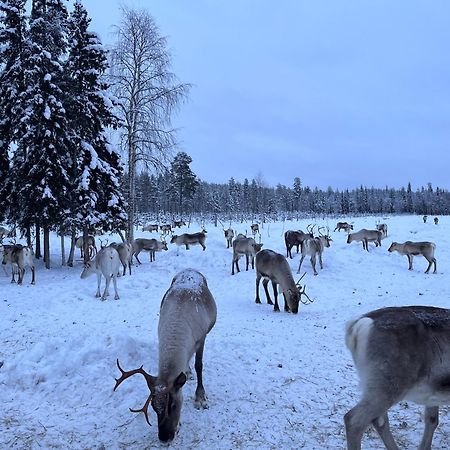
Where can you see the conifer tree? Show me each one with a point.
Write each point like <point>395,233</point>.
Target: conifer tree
<point>96,169</point>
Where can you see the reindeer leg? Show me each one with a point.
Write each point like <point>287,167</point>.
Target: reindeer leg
<point>33,275</point>
<point>320,260</point>
<point>99,280</point>
<point>106,291</point>
<point>381,424</point>
<point>430,262</point>
<point>200,396</point>
<point>116,296</point>
<point>246,263</point>
<point>276,308</point>
<point>258,279</point>
<point>266,290</point>
<point>431,423</point>
<point>369,410</point>
<point>410,261</point>
<point>435,268</point>
<point>300,265</point>
<point>124,269</point>
<point>313,264</point>
<point>136,256</point>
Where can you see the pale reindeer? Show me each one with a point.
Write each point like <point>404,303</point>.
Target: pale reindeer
<point>148,245</point>
<point>91,245</point>
<point>296,238</point>
<point>19,257</point>
<point>125,254</point>
<point>383,228</point>
<point>247,246</point>
<point>411,249</point>
<point>343,226</point>
<point>188,239</point>
<point>400,353</point>
<point>365,236</point>
<point>151,228</point>
<point>274,267</point>
<point>314,247</point>
<point>187,314</point>
<point>106,263</point>
<point>229,235</point>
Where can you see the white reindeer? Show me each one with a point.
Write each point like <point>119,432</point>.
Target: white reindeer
<point>401,353</point>
<point>187,314</point>
<point>106,263</point>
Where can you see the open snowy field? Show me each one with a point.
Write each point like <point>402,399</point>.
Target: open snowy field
<point>274,380</point>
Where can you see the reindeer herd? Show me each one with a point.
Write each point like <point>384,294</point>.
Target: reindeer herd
<point>399,352</point>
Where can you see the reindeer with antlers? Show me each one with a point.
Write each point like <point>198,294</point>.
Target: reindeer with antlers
<point>274,267</point>
<point>314,247</point>
<point>149,245</point>
<point>187,314</point>
<point>296,238</point>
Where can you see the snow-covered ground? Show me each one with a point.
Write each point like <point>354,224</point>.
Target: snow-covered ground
<point>274,380</point>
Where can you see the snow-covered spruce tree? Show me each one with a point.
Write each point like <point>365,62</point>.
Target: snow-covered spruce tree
<point>12,49</point>
<point>40,176</point>
<point>96,167</point>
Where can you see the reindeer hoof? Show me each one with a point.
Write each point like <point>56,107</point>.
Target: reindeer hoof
<point>116,297</point>
<point>258,301</point>
<point>270,302</point>
<point>276,309</point>
<point>201,403</point>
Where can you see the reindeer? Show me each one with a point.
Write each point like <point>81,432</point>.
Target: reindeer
<point>424,218</point>
<point>166,229</point>
<point>383,228</point>
<point>314,247</point>
<point>292,238</point>
<point>149,245</point>
<point>365,236</point>
<point>190,239</point>
<point>187,314</point>
<point>125,254</point>
<point>91,245</point>
<point>151,227</point>
<point>411,249</point>
<point>436,220</point>
<point>255,228</point>
<point>19,257</point>
<point>401,353</point>
<point>4,232</point>
<point>343,226</point>
<point>179,223</point>
<point>247,246</point>
<point>106,263</point>
<point>274,267</point>
<point>229,235</point>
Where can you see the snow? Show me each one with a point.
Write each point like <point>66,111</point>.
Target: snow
<point>273,380</point>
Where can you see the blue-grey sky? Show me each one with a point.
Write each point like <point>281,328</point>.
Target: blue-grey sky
<point>339,93</point>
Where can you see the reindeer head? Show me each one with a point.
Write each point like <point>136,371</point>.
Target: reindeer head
<point>166,399</point>
<point>325,238</point>
<point>392,247</point>
<point>89,269</point>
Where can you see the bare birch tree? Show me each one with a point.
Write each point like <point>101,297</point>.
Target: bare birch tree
<point>148,94</point>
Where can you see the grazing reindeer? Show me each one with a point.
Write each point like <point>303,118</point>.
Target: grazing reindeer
<point>187,239</point>
<point>401,353</point>
<point>274,267</point>
<point>383,228</point>
<point>292,238</point>
<point>411,249</point>
<point>91,245</point>
<point>247,246</point>
<point>255,228</point>
<point>149,245</point>
<point>187,314</point>
<point>425,217</point>
<point>314,247</point>
<point>106,263</point>
<point>179,223</point>
<point>5,249</point>
<point>343,226</point>
<point>229,235</point>
<point>151,227</point>
<point>365,236</point>
<point>166,229</point>
<point>436,220</point>
<point>19,257</point>
<point>125,254</point>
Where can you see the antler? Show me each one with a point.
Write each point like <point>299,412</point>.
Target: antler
<point>302,291</point>
<point>319,230</point>
<point>310,228</point>
<point>150,383</point>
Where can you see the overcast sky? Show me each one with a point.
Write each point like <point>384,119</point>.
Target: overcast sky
<point>339,93</point>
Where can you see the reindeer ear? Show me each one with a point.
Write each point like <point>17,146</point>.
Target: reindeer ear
<point>179,381</point>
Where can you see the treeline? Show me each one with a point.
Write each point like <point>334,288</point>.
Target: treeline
<point>254,198</point>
